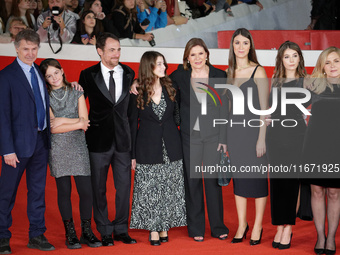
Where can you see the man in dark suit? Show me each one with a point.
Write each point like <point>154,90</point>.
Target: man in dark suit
<point>107,85</point>
<point>24,140</point>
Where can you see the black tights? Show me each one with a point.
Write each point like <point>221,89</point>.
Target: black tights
<point>84,188</point>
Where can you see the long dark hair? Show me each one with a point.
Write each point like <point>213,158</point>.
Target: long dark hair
<point>88,4</point>
<point>280,70</point>
<point>54,63</point>
<point>232,58</point>
<point>190,44</point>
<point>96,30</point>
<point>147,79</point>
<point>120,5</point>
<point>16,13</point>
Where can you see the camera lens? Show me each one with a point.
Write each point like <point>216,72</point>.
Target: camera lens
<point>55,25</point>
<point>152,43</point>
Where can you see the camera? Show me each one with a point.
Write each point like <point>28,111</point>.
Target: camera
<point>152,42</point>
<point>55,12</point>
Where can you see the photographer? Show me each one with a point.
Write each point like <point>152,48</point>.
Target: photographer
<point>56,25</point>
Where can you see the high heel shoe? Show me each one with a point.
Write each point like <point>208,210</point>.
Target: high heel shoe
<point>330,252</point>
<point>154,242</point>
<point>319,251</point>
<point>239,240</point>
<point>163,239</point>
<point>275,244</point>
<point>286,246</point>
<point>256,242</point>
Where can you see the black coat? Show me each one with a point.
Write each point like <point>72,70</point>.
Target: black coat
<point>190,108</point>
<point>147,138</point>
<point>108,122</point>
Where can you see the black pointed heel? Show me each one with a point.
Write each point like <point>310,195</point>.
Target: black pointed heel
<point>286,246</point>
<point>256,242</point>
<point>154,242</point>
<point>239,240</point>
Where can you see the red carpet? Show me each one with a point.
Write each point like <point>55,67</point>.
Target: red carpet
<point>303,240</point>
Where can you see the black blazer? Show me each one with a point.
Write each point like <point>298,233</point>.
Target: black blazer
<point>190,108</point>
<point>147,139</point>
<point>108,122</point>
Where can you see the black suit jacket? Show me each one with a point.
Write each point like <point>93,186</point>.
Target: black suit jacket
<point>190,108</point>
<point>147,139</point>
<point>109,122</point>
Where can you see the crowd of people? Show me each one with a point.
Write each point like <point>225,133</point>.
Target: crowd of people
<point>134,125</point>
<point>63,21</point>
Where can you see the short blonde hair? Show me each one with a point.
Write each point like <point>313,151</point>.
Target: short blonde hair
<point>321,84</point>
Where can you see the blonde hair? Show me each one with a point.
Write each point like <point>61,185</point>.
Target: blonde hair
<point>321,84</point>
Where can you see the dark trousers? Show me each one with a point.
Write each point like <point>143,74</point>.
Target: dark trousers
<point>36,168</point>
<point>195,151</point>
<point>121,167</point>
<point>84,189</point>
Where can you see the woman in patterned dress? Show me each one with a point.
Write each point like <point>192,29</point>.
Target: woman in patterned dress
<point>158,197</point>
<point>68,154</point>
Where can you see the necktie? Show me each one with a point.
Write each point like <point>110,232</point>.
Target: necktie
<point>38,100</point>
<point>112,86</point>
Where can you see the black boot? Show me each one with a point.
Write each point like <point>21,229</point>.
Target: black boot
<point>87,236</point>
<point>72,241</point>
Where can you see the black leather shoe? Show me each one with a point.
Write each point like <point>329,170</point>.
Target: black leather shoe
<point>87,236</point>
<point>72,241</point>
<point>275,244</point>
<point>154,242</point>
<point>40,243</point>
<point>256,242</point>
<point>164,239</point>
<point>239,240</point>
<point>125,238</point>
<point>329,252</point>
<point>107,240</point>
<point>286,246</point>
<point>4,246</point>
<point>319,250</point>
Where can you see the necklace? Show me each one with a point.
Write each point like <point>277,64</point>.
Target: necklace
<point>60,99</point>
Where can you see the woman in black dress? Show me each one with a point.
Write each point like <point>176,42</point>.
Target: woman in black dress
<point>284,144</point>
<point>321,147</point>
<point>246,143</point>
<point>201,142</point>
<point>158,195</point>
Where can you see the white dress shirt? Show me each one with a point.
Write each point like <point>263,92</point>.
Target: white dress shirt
<point>117,76</point>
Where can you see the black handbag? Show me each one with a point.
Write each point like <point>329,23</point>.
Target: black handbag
<point>224,177</point>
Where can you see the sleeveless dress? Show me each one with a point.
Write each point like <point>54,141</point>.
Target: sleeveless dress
<point>241,142</point>
<point>68,155</point>
<point>284,147</point>
<point>158,202</point>
<point>322,140</point>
